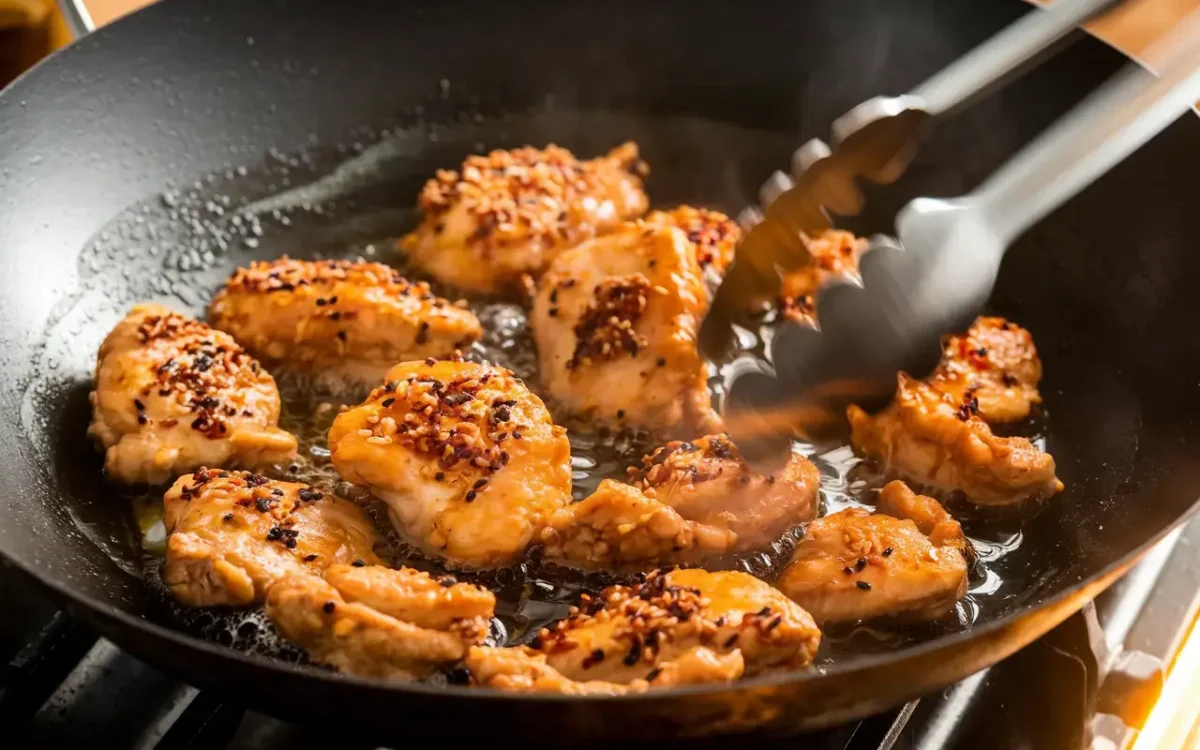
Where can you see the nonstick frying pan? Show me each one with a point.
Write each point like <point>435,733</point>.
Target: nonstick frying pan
<point>120,154</point>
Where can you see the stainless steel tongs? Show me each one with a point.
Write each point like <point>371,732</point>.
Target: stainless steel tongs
<point>934,276</point>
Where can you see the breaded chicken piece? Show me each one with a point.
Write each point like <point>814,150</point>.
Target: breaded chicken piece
<point>378,622</point>
<point>686,502</point>
<point>172,395</point>
<point>930,439</point>
<point>615,323</point>
<point>686,623</point>
<point>467,458</point>
<point>508,214</point>
<point>232,534</point>
<point>994,367</point>
<point>834,253</point>
<point>713,235</point>
<point>907,560</point>
<point>355,319</point>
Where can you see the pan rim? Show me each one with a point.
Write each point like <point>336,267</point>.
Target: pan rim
<point>863,664</point>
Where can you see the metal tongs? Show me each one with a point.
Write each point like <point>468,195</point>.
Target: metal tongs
<point>934,276</point>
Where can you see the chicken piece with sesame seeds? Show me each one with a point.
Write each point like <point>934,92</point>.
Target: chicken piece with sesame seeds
<point>908,560</point>
<point>378,622</point>
<point>686,502</point>
<point>232,534</point>
<point>468,459</point>
<point>834,253</point>
<point>506,215</point>
<point>615,322</point>
<point>994,368</point>
<point>712,234</point>
<point>355,319</point>
<point>685,626</point>
<point>928,437</point>
<point>172,394</point>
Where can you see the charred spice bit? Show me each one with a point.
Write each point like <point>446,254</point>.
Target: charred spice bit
<point>308,494</point>
<point>470,496</point>
<point>447,581</point>
<point>280,534</point>
<point>387,402</point>
<point>848,570</point>
<point>887,552</point>
<point>862,563</point>
<point>863,585</point>
<point>593,658</point>
<point>605,330</point>
<point>310,558</point>
<point>359,563</point>
<point>328,608</point>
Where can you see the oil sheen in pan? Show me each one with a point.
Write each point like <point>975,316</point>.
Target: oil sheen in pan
<point>353,201</point>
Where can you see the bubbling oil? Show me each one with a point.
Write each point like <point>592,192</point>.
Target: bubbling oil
<point>201,233</point>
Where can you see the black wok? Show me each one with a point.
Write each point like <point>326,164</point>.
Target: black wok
<point>717,96</point>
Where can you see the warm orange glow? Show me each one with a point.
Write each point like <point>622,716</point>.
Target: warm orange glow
<point>1178,708</point>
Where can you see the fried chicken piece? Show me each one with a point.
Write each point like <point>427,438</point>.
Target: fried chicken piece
<point>172,395</point>
<point>509,213</point>
<point>909,560</point>
<point>688,501</point>
<point>713,235</point>
<point>926,437</point>
<point>232,534</point>
<point>468,460</point>
<point>685,624</point>
<point>378,622</point>
<point>615,323</point>
<point>356,319</point>
<point>834,253</point>
<point>518,670</point>
<point>994,367</point>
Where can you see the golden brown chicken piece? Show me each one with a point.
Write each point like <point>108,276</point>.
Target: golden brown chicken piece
<point>713,235</point>
<point>356,319</point>
<point>518,670</point>
<point>172,395</point>
<point>686,624</point>
<point>994,367</point>
<point>908,560</point>
<point>468,460</point>
<point>834,253</point>
<point>378,622</point>
<point>232,534</point>
<point>615,323</point>
<point>928,438</point>
<point>509,213</point>
<point>687,501</point>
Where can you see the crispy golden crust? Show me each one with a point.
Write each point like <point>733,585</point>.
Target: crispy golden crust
<point>172,394</point>
<point>908,560</point>
<point>232,534</point>
<point>378,622</point>
<point>509,213</point>
<point>352,318</point>
<point>469,461</point>
<point>713,234</point>
<point>674,628</point>
<point>932,439</point>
